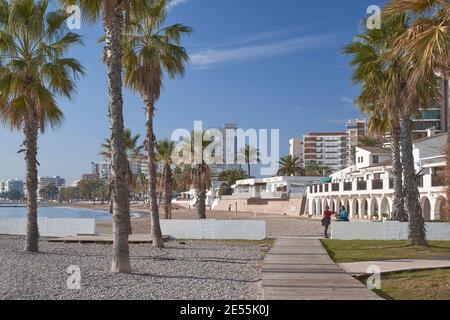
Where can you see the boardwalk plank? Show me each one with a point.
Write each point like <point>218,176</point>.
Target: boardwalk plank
<point>301,269</point>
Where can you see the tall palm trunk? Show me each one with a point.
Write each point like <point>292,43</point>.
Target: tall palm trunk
<point>167,192</point>
<point>114,30</point>
<point>151,141</point>
<point>398,205</point>
<point>248,170</point>
<point>417,232</point>
<point>30,144</point>
<point>201,194</point>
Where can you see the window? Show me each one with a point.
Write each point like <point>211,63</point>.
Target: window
<point>375,159</point>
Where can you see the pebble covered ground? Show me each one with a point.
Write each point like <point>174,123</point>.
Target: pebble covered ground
<point>192,270</point>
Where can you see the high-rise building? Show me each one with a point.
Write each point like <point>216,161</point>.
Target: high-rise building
<point>326,149</point>
<point>230,147</point>
<point>57,181</point>
<point>435,116</point>
<point>12,185</point>
<point>296,149</point>
<point>356,128</point>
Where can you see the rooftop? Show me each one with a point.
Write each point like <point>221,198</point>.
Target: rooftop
<point>376,149</point>
<point>330,134</point>
<point>430,137</point>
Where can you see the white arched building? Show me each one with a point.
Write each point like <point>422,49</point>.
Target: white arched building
<point>366,189</point>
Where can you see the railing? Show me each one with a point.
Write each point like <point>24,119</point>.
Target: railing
<point>437,181</point>
<point>362,185</point>
<point>377,184</point>
<point>347,186</point>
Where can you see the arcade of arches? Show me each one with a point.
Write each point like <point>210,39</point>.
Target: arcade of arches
<point>432,206</point>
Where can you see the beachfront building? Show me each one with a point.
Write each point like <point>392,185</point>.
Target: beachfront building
<point>356,129</point>
<point>12,185</point>
<point>273,188</point>
<point>326,149</point>
<point>275,195</point>
<point>296,149</point>
<point>366,188</point>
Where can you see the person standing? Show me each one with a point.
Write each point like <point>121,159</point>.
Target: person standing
<point>326,221</point>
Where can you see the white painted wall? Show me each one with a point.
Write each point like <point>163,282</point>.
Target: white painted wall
<point>50,227</point>
<point>214,229</point>
<point>432,147</point>
<point>389,230</point>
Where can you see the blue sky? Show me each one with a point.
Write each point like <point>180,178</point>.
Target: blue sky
<point>258,63</point>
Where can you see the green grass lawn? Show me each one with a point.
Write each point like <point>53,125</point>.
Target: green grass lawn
<point>365,250</point>
<point>416,285</point>
<point>408,285</point>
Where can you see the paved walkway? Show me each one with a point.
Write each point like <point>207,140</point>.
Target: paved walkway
<point>301,269</point>
<point>360,268</point>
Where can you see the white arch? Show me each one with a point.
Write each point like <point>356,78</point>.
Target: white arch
<point>318,207</point>
<point>438,211</point>
<point>364,207</point>
<point>374,207</point>
<point>385,207</point>
<point>324,205</point>
<point>312,207</point>
<point>354,210</point>
<point>425,203</point>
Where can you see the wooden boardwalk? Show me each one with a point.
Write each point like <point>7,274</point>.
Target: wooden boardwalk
<point>301,269</point>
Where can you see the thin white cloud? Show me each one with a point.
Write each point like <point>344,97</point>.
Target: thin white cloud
<point>174,3</point>
<point>209,57</point>
<point>347,100</point>
<point>350,102</point>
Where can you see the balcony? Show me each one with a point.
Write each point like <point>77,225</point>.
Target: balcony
<point>377,184</point>
<point>437,181</point>
<point>362,185</point>
<point>347,186</point>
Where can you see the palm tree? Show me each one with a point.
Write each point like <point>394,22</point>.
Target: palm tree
<point>34,70</point>
<point>133,150</point>
<point>164,150</point>
<point>114,14</point>
<point>150,51</point>
<point>132,146</point>
<point>249,156</point>
<point>381,103</point>
<point>290,166</point>
<point>425,50</point>
<point>200,176</point>
<point>368,141</point>
<point>315,170</point>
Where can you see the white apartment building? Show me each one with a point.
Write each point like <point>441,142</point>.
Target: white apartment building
<point>56,181</point>
<point>366,188</point>
<point>296,148</point>
<point>12,185</point>
<point>326,149</point>
<point>273,188</point>
<point>356,128</point>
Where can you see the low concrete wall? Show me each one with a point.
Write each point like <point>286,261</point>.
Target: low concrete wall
<point>388,230</point>
<point>50,227</point>
<point>214,229</point>
<point>291,207</point>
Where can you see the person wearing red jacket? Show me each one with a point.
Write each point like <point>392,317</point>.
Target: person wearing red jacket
<point>326,221</point>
